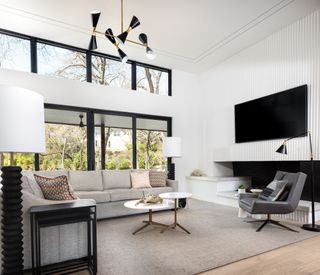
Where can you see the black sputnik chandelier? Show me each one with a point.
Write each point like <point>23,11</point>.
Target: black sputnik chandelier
<point>120,39</point>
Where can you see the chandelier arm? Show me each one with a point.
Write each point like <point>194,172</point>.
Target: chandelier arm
<point>137,43</point>
<point>128,40</point>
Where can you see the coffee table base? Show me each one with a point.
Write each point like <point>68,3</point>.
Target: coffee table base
<point>175,224</point>
<point>149,222</point>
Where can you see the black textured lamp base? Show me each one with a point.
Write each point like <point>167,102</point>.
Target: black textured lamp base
<point>171,174</point>
<point>12,238</point>
<point>311,227</point>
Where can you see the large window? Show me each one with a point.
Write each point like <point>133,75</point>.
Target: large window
<point>14,53</point>
<point>26,53</point>
<point>150,134</point>
<point>86,139</point>
<point>25,161</point>
<point>152,81</point>
<point>60,62</point>
<point>110,72</point>
<point>66,141</point>
<point>113,142</point>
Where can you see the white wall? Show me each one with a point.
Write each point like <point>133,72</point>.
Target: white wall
<point>288,58</point>
<point>182,106</point>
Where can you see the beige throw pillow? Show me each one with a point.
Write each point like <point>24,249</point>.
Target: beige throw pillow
<point>140,179</point>
<point>158,178</point>
<point>57,189</point>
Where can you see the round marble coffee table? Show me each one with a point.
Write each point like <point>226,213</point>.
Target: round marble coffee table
<point>150,207</point>
<point>175,196</point>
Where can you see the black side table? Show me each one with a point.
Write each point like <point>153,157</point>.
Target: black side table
<point>59,214</point>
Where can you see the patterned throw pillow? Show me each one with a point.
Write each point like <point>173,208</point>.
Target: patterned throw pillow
<point>140,179</point>
<point>157,178</point>
<point>57,189</point>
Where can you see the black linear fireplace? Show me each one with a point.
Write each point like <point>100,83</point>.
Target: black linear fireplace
<point>262,173</point>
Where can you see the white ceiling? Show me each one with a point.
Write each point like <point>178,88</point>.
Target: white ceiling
<point>187,34</point>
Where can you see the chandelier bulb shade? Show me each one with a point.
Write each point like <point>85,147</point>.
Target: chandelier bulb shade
<point>150,53</point>
<point>282,149</point>
<point>123,56</point>
<point>134,22</point>
<point>93,43</point>
<point>95,18</point>
<point>121,38</point>
<point>143,38</point>
<point>109,35</point>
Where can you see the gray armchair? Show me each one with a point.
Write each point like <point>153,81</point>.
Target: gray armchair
<point>253,205</point>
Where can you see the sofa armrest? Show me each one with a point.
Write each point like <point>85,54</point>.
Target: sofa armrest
<point>174,184</point>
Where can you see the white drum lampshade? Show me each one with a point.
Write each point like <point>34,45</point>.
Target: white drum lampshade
<point>21,131</point>
<point>21,120</point>
<point>172,147</point>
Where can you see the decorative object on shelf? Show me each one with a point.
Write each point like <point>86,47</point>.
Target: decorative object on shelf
<point>256,191</point>
<point>198,173</point>
<point>81,124</point>
<point>120,39</point>
<point>22,130</point>
<point>241,189</point>
<point>283,150</point>
<point>171,148</point>
<point>150,199</point>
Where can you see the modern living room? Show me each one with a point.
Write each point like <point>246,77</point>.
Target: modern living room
<point>160,137</point>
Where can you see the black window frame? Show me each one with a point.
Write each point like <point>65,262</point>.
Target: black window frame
<point>34,60</point>
<point>90,112</point>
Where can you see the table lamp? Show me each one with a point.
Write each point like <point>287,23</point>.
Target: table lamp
<point>171,149</point>
<point>283,150</point>
<point>22,131</point>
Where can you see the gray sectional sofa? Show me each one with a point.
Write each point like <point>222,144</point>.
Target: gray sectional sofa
<point>109,188</point>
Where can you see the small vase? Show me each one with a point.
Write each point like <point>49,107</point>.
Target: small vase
<point>241,191</point>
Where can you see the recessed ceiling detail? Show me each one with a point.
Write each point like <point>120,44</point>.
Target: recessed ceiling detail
<point>218,30</point>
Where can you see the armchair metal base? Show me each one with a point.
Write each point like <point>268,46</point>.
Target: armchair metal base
<point>269,220</point>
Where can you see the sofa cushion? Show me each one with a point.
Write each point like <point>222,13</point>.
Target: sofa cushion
<point>115,179</point>
<point>157,178</point>
<point>52,173</point>
<point>57,188</point>
<point>98,196</point>
<point>86,180</point>
<point>125,194</point>
<point>30,183</point>
<point>157,190</point>
<point>140,179</point>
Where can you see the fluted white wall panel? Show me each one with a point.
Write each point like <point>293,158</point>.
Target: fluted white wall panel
<point>286,59</point>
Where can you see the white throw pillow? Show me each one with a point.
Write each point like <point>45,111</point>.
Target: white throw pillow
<point>140,179</point>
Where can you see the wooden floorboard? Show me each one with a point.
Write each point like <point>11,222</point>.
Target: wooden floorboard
<point>302,258</point>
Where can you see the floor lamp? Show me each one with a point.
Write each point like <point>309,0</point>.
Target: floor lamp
<point>22,131</point>
<point>283,150</point>
<point>171,149</point>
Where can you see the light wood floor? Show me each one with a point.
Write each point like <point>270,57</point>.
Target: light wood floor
<point>301,258</point>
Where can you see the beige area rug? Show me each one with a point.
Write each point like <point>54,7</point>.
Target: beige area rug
<point>218,237</point>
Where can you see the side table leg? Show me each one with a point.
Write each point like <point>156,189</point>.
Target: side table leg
<point>94,242</point>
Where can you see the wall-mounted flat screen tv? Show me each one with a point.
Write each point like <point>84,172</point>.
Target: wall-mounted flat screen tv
<point>275,116</point>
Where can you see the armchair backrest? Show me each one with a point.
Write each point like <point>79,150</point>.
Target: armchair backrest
<point>295,185</point>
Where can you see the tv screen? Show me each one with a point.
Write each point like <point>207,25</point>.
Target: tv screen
<point>279,115</point>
